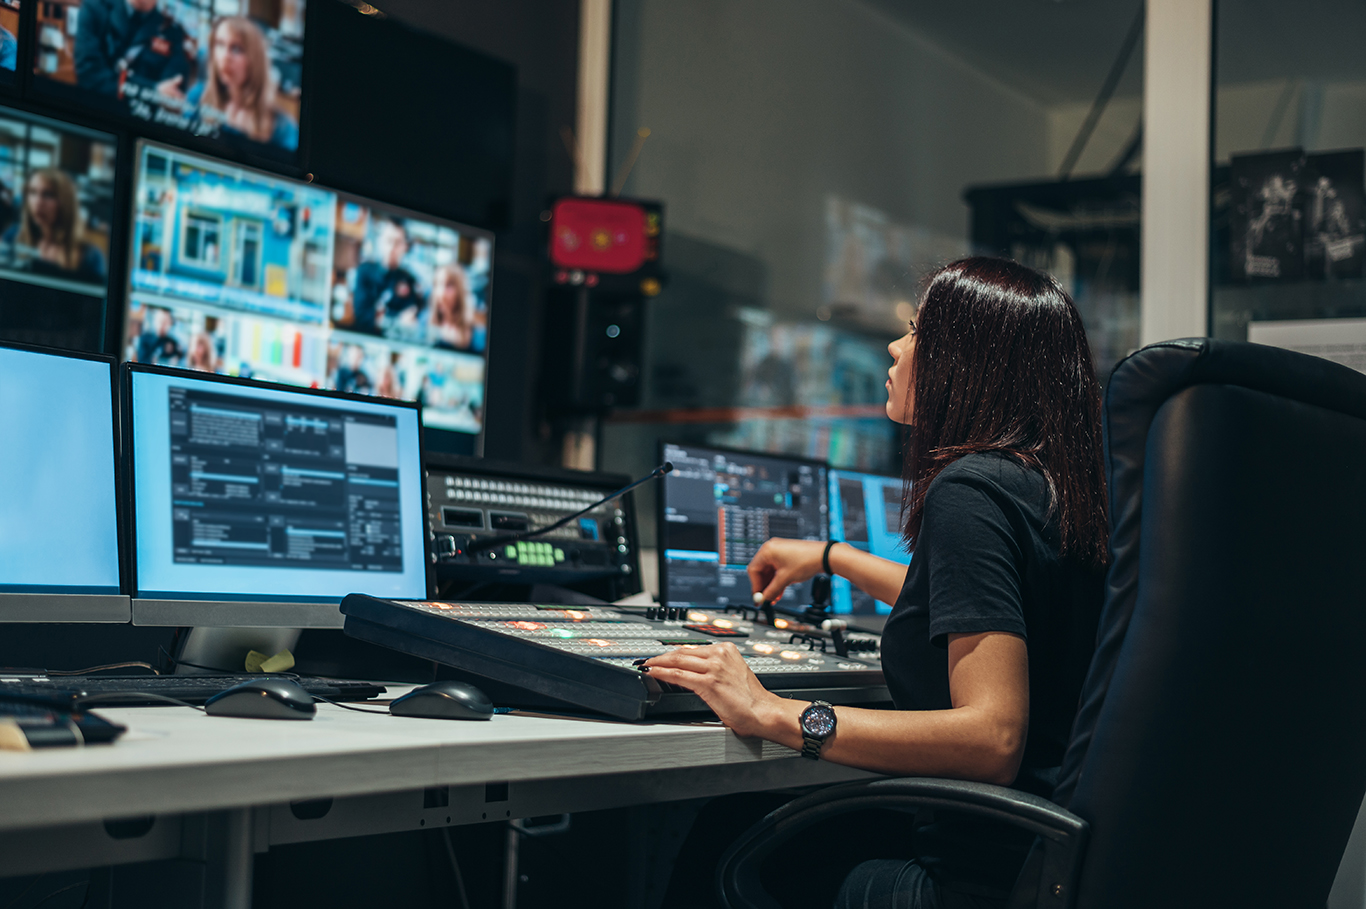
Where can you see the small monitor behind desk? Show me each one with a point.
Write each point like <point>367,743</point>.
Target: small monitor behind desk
<point>865,512</point>
<point>263,506</point>
<point>59,522</point>
<point>717,508</point>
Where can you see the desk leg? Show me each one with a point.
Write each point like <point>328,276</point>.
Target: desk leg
<point>511,848</point>
<point>237,856</point>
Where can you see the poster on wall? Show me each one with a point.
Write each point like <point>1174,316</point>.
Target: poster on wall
<point>1266,219</point>
<point>228,70</point>
<point>1335,214</point>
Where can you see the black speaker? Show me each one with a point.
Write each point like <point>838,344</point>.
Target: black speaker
<point>592,349</point>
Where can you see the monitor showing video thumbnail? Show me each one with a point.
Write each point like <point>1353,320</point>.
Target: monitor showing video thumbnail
<point>230,70</point>
<point>248,274</point>
<point>56,206</point>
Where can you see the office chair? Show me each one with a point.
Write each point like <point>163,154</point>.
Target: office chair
<point>1219,754</point>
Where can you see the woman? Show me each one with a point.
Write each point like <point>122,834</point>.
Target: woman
<point>50,229</point>
<point>451,320</point>
<point>995,619</point>
<point>239,91</point>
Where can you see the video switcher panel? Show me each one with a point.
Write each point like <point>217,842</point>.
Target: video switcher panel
<point>472,502</point>
<point>585,657</point>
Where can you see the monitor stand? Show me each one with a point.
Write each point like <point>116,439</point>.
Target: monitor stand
<point>225,648</point>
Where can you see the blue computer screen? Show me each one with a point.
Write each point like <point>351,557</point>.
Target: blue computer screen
<point>59,530</point>
<point>251,492</point>
<point>865,512</point>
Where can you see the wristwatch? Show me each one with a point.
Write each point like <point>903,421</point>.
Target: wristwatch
<point>818,724</point>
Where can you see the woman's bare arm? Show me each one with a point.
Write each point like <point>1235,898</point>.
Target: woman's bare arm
<point>980,738</point>
<point>780,562</point>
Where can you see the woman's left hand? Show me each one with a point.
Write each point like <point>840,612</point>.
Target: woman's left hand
<point>719,675</point>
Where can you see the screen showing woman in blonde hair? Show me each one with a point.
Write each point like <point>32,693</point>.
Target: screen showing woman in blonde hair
<point>238,91</point>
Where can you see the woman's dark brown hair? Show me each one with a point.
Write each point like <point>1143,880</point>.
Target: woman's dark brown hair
<point>1001,364</point>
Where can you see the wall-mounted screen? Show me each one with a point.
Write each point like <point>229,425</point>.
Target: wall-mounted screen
<point>230,70</point>
<point>243,273</point>
<point>56,210</point>
<point>410,311</point>
<point>9,42</point>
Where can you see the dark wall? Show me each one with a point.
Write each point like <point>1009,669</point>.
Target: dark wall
<point>540,37</point>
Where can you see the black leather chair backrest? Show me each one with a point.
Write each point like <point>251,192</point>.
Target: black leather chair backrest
<point>1219,751</point>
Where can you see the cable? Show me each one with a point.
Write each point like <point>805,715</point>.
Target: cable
<point>106,666</point>
<point>1107,89</point>
<point>24,892</point>
<point>318,697</point>
<point>455,866</point>
<point>85,883</point>
<point>147,695</point>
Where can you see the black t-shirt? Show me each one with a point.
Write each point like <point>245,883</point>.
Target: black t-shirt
<point>987,560</point>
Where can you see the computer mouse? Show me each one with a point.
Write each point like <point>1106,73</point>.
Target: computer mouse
<point>263,699</point>
<point>448,700</point>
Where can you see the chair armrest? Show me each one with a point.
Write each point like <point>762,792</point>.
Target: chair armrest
<point>1062,833</point>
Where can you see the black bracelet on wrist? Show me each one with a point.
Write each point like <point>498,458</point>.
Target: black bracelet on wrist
<point>825,557</point>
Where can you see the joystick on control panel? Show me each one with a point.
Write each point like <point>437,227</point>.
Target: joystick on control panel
<point>765,605</point>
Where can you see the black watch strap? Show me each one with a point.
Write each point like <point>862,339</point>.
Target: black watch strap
<point>825,556</point>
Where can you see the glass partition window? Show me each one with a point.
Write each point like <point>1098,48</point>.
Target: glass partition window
<point>1288,210</point>
<point>812,174</point>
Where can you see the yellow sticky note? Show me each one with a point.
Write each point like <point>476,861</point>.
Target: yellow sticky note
<point>255,659</point>
<point>281,662</point>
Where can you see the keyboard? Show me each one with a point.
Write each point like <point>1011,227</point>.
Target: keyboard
<point>196,689</point>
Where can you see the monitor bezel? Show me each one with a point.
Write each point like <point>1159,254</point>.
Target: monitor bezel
<point>131,253</point>
<point>264,613</point>
<point>662,569</point>
<point>81,607</point>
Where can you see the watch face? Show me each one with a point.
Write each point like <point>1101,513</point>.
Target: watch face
<point>818,721</point>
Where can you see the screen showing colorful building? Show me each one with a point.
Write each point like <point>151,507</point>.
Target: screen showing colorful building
<point>243,273</point>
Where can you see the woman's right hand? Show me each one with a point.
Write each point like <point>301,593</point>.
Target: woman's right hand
<point>780,562</point>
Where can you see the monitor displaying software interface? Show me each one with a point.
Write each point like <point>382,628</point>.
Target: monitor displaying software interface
<point>59,527</point>
<point>718,507</point>
<point>246,492</point>
<point>865,512</point>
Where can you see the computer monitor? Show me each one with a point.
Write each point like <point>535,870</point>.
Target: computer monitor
<point>262,505</point>
<point>172,68</point>
<point>59,518</point>
<point>57,180</point>
<point>865,512</point>
<point>717,508</point>
<point>244,273</point>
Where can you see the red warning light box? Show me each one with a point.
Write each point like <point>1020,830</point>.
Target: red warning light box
<point>598,235</point>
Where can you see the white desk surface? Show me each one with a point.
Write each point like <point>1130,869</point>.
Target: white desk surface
<point>173,759</point>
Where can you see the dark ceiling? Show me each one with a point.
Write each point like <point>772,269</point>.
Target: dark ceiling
<point>1058,51</point>
<point>1054,51</point>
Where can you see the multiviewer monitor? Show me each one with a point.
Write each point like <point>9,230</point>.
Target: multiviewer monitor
<point>59,522</point>
<point>224,70</point>
<point>261,505</point>
<point>718,507</point>
<point>56,210</point>
<point>244,273</point>
<point>865,512</point>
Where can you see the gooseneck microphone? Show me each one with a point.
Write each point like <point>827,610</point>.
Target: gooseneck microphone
<point>490,542</point>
